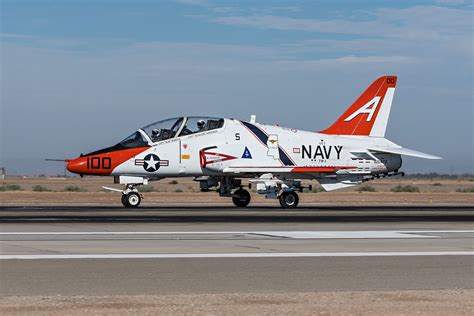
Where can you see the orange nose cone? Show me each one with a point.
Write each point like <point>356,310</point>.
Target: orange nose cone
<point>78,166</point>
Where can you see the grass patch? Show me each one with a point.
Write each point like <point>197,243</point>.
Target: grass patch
<point>317,190</point>
<point>10,187</point>
<point>40,188</point>
<point>465,190</point>
<point>73,188</point>
<point>437,184</point>
<point>173,182</point>
<point>178,190</point>
<point>366,188</point>
<point>405,188</point>
<point>146,188</point>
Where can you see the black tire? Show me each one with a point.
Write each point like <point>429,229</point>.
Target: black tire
<point>289,199</point>
<point>124,200</point>
<point>241,198</point>
<point>133,199</point>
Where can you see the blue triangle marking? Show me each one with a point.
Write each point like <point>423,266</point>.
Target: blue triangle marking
<point>247,154</point>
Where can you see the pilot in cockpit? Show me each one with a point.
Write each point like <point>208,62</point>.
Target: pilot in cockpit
<point>155,134</point>
<point>201,124</point>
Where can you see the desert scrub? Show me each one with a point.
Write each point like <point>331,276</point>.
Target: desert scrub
<point>40,188</point>
<point>405,188</point>
<point>465,190</point>
<point>173,182</point>
<point>437,184</point>
<point>178,190</point>
<point>316,190</point>
<point>146,188</point>
<point>73,188</point>
<point>10,187</point>
<point>366,188</point>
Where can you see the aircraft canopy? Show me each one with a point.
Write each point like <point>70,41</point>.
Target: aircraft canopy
<point>180,126</point>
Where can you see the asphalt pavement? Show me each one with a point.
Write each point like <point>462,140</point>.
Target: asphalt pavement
<point>180,250</point>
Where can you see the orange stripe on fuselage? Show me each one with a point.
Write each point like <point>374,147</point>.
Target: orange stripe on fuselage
<point>102,164</point>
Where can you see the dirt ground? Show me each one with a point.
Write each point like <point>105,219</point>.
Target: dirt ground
<point>422,302</point>
<point>175,191</point>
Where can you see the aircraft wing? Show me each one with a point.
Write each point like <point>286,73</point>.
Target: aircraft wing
<point>403,151</point>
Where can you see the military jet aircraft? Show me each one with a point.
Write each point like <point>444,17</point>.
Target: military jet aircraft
<point>220,152</point>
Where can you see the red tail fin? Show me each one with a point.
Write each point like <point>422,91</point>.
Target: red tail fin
<point>368,115</point>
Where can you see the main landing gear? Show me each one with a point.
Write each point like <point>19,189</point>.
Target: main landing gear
<point>241,198</point>
<point>267,185</point>
<point>226,187</point>
<point>289,199</point>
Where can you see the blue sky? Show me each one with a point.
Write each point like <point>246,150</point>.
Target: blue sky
<point>80,75</point>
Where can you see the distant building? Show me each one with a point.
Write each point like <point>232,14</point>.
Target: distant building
<point>2,173</point>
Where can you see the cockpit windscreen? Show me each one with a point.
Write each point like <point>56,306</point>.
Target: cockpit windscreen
<point>133,141</point>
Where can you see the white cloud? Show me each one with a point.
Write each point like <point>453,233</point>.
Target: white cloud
<point>16,36</point>
<point>194,2</point>
<point>450,2</point>
<point>352,60</point>
<point>420,22</point>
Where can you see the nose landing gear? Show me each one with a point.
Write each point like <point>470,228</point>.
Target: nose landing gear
<point>130,196</point>
<point>131,199</point>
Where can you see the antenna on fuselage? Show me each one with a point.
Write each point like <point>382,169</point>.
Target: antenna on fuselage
<point>253,118</point>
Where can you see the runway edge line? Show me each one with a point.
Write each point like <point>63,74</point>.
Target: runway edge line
<point>235,255</point>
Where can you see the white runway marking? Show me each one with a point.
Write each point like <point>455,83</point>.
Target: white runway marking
<point>281,234</point>
<point>236,255</point>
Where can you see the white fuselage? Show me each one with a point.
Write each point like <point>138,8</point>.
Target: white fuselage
<point>243,148</point>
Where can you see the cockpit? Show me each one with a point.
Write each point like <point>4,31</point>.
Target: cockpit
<point>171,128</point>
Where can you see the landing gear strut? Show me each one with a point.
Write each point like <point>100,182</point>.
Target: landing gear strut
<point>289,199</point>
<point>241,198</point>
<point>130,195</point>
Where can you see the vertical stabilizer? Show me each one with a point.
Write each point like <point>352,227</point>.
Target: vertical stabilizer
<point>368,115</point>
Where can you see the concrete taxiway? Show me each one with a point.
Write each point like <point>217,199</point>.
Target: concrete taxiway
<point>171,250</point>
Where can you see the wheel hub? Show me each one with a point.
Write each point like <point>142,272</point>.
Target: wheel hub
<point>133,200</point>
<point>290,199</point>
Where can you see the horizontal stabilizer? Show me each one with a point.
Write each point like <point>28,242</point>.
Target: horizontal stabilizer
<point>403,151</point>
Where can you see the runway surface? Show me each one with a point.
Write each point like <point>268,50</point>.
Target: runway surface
<point>172,250</point>
<point>192,214</point>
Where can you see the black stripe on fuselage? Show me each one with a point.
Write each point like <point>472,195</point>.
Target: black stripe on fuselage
<point>284,158</point>
<point>117,147</point>
<point>263,137</point>
<point>258,132</point>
